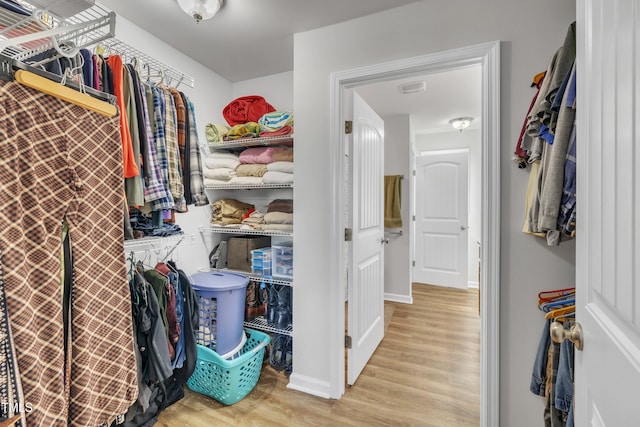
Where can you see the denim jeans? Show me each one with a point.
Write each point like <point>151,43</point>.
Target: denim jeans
<point>539,373</point>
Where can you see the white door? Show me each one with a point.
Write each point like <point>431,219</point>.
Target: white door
<point>441,226</point>
<point>366,263</point>
<point>607,377</point>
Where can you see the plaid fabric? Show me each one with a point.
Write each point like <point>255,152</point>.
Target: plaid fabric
<point>197,182</point>
<point>173,153</point>
<point>153,188</point>
<point>10,386</point>
<point>61,161</point>
<point>183,143</point>
<point>161,149</point>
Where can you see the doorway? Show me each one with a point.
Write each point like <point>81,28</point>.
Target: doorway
<point>487,56</point>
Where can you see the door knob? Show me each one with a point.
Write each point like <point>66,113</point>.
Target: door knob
<point>574,334</point>
<point>464,227</point>
<point>384,240</point>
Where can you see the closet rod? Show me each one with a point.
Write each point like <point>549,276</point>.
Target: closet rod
<point>128,52</point>
<point>8,67</point>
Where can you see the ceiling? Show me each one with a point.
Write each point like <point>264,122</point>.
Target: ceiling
<point>246,33</point>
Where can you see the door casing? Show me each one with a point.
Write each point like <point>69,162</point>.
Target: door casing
<point>487,55</point>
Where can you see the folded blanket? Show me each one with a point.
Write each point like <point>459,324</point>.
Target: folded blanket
<point>221,162</point>
<point>277,227</point>
<point>259,155</point>
<point>282,154</point>
<point>285,130</point>
<point>245,180</point>
<point>251,170</point>
<point>278,218</point>
<point>208,181</point>
<point>229,211</point>
<point>246,109</point>
<point>223,174</point>
<point>222,154</point>
<point>275,120</point>
<point>286,167</point>
<point>254,218</point>
<point>242,131</point>
<point>215,132</point>
<point>273,177</point>
<point>281,205</point>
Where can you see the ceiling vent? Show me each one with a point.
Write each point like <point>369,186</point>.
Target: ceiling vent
<point>413,87</point>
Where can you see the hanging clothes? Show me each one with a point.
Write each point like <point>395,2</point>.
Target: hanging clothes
<point>60,162</point>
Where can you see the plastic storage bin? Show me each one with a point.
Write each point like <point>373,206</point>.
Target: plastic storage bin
<point>221,298</point>
<point>261,261</point>
<point>282,261</point>
<point>229,381</point>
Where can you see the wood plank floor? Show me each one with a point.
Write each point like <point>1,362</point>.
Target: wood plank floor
<point>426,372</point>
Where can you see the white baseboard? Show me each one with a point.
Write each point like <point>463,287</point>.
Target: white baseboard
<point>310,385</point>
<point>405,299</point>
<point>473,285</point>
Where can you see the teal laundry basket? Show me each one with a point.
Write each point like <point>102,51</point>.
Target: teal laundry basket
<point>229,381</point>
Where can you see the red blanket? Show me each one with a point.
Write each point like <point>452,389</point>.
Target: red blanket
<point>246,109</point>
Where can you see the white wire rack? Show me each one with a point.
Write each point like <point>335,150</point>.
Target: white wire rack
<point>148,67</point>
<point>26,31</point>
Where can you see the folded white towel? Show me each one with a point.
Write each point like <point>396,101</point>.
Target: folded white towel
<point>273,177</point>
<point>286,167</point>
<point>224,174</point>
<point>221,162</point>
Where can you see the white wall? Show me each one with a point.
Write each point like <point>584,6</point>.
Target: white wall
<point>276,89</point>
<point>397,161</point>
<point>471,139</point>
<point>530,33</point>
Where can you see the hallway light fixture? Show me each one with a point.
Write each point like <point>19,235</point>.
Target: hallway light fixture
<point>461,122</point>
<point>412,87</point>
<point>200,9</point>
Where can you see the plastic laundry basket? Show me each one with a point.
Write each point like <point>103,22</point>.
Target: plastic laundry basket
<point>229,381</point>
<point>221,301</point>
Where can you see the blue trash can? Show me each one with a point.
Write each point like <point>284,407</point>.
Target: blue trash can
<point>221,298</point>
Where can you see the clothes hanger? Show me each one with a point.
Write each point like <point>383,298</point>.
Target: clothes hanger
<point>560,312</point>
<point>60,91</point>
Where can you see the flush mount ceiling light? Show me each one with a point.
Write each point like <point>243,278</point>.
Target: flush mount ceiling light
<point>461,123</point>
<point>200,9</point>
<point>412,87</point>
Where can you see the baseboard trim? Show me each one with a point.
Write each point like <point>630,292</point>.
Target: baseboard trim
<point>473,285</point>
<point>405,299</point>
<point>310,385</point>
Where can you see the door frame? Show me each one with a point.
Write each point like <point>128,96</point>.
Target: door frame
<point>488,56</point>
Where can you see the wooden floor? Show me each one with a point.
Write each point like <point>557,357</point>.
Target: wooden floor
<point>426,372</point>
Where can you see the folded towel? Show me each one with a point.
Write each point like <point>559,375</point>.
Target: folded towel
<point>275,120</point>
<point>282,154</point>
<point>222,154</point>
<point>251,170</point>
<point>281,205</point>
<point>215,132</point>
<point>224,174</point>
<point>259,155</point>
<point>245,180</point>
<point>221,162</point>
<point>246,109</point>
<point>277,227</point>
<point>278,218</point>
<point>272,177</point>
<point>242,131</point>
<point>208,181</point>
<point>285,130</point>
<point>286,167</point>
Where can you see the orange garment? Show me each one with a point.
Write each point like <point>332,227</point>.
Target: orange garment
<point>128,158</point>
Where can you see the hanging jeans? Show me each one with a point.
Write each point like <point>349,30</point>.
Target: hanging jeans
<point>61,162</point>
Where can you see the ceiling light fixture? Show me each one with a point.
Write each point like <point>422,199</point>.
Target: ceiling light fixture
<point>200,9</point>
<point>461,123</point>
<point>413,87</point>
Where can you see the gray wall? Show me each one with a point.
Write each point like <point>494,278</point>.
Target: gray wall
<point>397,161</point>
<point>530,33</point>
